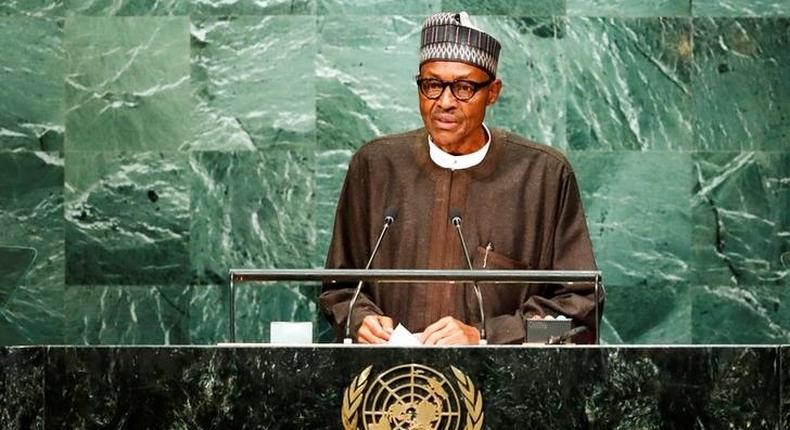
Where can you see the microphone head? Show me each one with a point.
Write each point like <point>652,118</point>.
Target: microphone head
<point>455,216</point>
<point>390,215</point>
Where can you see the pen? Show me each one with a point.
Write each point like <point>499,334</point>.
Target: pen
<point>485,256</point>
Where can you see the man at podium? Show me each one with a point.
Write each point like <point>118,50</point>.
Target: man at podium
<point>516,201</point>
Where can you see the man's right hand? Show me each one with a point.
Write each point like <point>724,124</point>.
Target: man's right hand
<point>375,329</point>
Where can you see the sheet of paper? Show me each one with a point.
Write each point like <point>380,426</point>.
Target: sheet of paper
<point>401,336</point>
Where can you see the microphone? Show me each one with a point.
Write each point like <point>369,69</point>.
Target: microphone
<point>565,337</point>
<point>455,218</point>
<point>389,218</point>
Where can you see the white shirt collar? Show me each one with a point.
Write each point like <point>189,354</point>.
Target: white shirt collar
<point>458,162</point>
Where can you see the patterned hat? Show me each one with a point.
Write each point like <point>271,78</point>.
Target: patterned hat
<point>452,37</point>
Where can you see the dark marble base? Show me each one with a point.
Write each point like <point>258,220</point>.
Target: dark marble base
<point>287,387</point>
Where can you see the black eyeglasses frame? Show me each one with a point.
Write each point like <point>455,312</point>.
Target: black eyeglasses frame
<point>477,86</point>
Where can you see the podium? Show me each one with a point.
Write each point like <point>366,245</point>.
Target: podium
<point>564,387</point>
<point>237,276</point>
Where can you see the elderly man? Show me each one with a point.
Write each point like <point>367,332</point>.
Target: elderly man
<point>519,202</point>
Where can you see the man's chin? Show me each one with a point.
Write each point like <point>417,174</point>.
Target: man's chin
<point>443,138</point>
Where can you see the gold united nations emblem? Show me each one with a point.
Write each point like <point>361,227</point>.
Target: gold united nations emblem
<point>412,397</point>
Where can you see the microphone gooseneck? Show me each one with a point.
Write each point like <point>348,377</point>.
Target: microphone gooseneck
<point>389,218</point>
<point>568,335</point>
<point>455,218</point>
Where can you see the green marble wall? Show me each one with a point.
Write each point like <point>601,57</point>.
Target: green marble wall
<point>147,147</point>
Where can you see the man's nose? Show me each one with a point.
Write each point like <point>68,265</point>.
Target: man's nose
<point>446,99</point>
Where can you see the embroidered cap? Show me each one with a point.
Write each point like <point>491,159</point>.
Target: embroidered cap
<point>452,37</point>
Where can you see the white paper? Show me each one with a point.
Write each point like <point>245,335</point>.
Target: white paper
<point>291,333</point>
<point>401,336</point>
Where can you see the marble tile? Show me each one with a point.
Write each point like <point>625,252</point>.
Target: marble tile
<point>251,7</point>
<point>127,315</point>
<point>127,218</point>
<point>22,388</point>
<point>741,91</point>
<point>629,8</point>
<point>253,81</point>
<point>739,247</point>
<point>254,210</point>
<point>740,8</point>
<point>744,314</point>
<point>33,8</point>
<point>507,7</point>
<point>532,102</point>
<point>331,168</point>
<point>629,84</point>
<point>31,247</point>
<point>740,218</point>
<point>126,7</point>
<point>31,96</point>
<point>638,214</point>
<point>127,83</point>
<point>639,222</point>
<point>258,305</point>
<point>365,70</point>
<point>208,314</point>
<point>378,7</point>
<point>657,313</point>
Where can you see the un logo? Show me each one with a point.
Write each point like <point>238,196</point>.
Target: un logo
<point>412,397</point>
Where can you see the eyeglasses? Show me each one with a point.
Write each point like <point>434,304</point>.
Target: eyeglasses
<point>462,90</point>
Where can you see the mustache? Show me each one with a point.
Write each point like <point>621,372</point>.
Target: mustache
<point>438,113</point>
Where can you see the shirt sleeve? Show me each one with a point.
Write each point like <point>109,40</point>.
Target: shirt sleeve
<point>347,250</point>
<point>571,249</point>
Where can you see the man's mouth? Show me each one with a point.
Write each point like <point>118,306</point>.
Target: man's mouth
<point>443,120</point>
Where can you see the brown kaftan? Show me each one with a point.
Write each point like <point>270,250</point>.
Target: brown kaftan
<point>522,200</point>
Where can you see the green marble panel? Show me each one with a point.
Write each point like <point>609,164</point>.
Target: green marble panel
<point>126,315</point>
<point>208,314</point>
<point>741,90</point>
<point>257,305</point>
<point>629,83</point>
<point>378,7</point>
<point>507,7</point>
<point>31,247</point>
<point>366,70</point>
<point>36,8</point>
<point>741,218</point>
<point>741,8</point>
<point>743,314</point>
<point>31,95</point>
<point>331,168</point>
<point>126,7</point>
<point>127,83</point>
<point>254,83</point>
<point>648,313</point>
<point>252,209</point>
<point>629,8</point>
<point>532,102</point>
<point>127,218</point>
<point>638,213</point>
<point>365,88</point>
<point>251,7</point>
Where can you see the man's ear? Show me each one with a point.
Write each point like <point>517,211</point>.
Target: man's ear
<point>494,89</point>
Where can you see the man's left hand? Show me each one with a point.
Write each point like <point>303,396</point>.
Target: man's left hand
<point>450,331</point>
